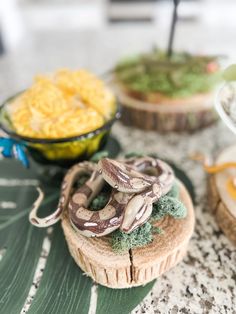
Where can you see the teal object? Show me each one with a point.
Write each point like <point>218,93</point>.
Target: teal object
<point>13,149</point>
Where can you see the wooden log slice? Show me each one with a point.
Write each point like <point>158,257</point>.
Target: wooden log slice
<point>165,114</point>
<point>221,201</point>
<point>138,266</point>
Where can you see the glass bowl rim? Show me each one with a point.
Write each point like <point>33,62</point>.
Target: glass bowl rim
<point>84,136</point>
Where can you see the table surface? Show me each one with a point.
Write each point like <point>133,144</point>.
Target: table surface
<point>205,282</point>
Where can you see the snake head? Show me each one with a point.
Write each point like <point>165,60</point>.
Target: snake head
<point>123,177</point>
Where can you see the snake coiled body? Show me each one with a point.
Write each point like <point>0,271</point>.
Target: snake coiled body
<point>136,184</point>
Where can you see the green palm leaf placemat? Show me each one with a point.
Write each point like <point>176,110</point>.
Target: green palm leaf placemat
<point>63,287</point>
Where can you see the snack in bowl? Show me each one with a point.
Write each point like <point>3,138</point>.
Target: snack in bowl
<point>65,115</point>
<point>125,221</point>
<point>167,94</point>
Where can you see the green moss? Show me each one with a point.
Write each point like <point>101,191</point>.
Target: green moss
<point>181,76</point>
<point>134,154</point>
<point>99,201</point>
<point>168,206</point>
<point>174,192</point>
<point>99,155</point>
<point>81,181</point>
<point>121,241</point>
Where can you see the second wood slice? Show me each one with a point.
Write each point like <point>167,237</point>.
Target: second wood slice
<point>222,198</point>
<point>167,114</point>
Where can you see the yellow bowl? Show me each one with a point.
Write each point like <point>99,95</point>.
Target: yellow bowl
<point>61,151</point>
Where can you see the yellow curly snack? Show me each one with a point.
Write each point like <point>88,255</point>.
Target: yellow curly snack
<point>65,104</point>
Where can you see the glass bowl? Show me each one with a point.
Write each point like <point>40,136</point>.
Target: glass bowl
<point>62,151</point>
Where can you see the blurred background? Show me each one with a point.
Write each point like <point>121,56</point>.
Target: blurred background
<point>38,36</point>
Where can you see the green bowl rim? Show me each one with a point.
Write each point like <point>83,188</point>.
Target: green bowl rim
<point>84,136</point>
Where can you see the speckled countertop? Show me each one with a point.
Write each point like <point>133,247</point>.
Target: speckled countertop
<point>205,282</point>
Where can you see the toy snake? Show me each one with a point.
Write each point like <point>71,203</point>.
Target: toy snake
<point>137,184</point>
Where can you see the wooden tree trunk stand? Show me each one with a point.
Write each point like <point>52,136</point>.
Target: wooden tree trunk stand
<point>138,266</point>
<point>221,202</point>
<point>165,114</point>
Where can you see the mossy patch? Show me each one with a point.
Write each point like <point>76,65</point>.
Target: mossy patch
<point>121,241</point>
<point>134,154</point>
<point>168,206</point>
<point>99,155</point>
<point>174,192</point>
<point>181,76</point>
<point>81,181</point>
<point>99,201</point>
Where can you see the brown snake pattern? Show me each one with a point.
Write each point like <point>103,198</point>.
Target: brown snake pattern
<point>130,204</point>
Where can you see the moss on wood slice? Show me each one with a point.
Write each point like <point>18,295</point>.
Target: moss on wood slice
<point>137,266</point>
<point>155,112</point>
